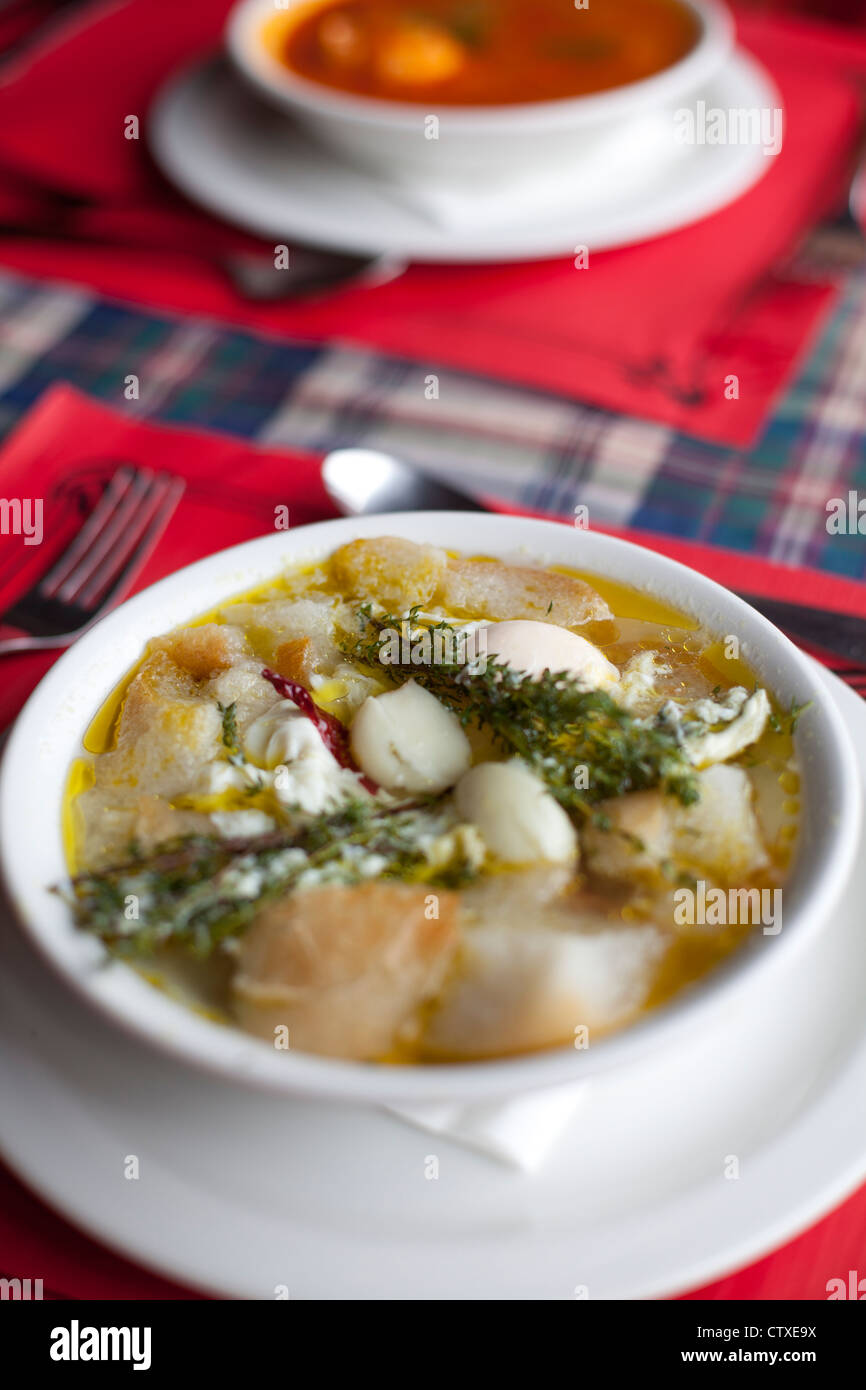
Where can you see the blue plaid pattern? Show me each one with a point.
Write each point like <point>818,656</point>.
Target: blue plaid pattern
<point>533,449</point>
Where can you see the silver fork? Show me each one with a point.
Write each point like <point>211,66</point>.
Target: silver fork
<point>97,566</point>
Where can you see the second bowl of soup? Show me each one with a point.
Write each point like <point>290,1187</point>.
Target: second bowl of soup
<point>454,89</point>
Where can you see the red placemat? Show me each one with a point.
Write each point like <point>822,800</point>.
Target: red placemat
<point>67,442</point>
<point>652,330</point>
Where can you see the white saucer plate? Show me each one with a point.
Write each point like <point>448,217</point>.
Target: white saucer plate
<point>247,163</point>
<point>241,1194</point>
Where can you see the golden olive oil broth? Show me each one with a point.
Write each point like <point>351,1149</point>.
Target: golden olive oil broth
<point>641,622</point>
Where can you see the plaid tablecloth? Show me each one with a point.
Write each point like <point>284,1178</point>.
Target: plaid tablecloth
<point>540,451</point>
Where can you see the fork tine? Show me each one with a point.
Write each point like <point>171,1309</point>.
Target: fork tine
<point>110,500</point>
<point>130,557</point>
<point>122,523</point>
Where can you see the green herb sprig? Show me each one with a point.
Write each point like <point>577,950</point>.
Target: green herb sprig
<point>196,892</point>
<point>230,738</point>
<point>786,723</point>
<point>551,722</point>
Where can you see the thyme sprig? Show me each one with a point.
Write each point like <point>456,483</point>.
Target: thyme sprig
<point>552,722</point>
<point>231,743</point>
<point>786,723</point>
<point>230,726</point>
<point>197,891</point>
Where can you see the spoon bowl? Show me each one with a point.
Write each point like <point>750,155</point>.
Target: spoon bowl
<point>361,482</point>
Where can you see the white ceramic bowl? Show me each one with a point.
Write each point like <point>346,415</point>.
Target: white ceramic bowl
<point>389,136</point>
<point>47,737</point>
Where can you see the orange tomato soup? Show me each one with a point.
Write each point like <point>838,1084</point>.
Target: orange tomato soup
<point>480,52</point>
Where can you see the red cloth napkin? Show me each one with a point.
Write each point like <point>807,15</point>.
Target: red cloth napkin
<point>67,443</point>
<point>652,330</point>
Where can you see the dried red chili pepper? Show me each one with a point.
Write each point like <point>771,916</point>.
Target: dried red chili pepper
<point>334,735</point>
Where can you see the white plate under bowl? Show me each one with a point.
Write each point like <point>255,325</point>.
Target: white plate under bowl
<point>240,1192</point>
<point>47,739</point>
<point>247,163</point>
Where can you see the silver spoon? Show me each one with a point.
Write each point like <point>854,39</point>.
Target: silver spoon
<point>363,480</point>
<point>312,271</point>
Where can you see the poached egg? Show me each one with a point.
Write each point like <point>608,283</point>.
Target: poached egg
<point>534,648</point>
